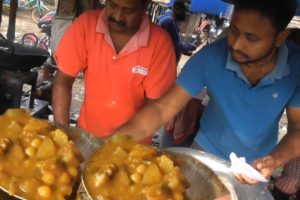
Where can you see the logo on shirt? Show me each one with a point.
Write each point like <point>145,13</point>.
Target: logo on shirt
<point>140,70</point>
<point>275,95</point>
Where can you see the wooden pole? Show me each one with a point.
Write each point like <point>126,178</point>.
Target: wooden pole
<point>12,20</point>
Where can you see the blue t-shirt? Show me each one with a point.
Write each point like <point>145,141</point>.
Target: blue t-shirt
<point>239,117</point>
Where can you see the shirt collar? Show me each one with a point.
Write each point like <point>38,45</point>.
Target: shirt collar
<point>281,69</point>
<point>139,39</point>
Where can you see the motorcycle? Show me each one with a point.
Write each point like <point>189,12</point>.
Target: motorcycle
<point>45,25</point>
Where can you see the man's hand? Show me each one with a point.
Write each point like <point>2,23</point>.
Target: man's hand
<point>265,166</point>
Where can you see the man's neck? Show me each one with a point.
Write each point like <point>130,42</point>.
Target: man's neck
<point>255,72</point>
<point>120,39</point>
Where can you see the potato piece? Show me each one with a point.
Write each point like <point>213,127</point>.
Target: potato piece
<point>47,149</point>
<point>29,186</point>
<point>66,153</point>
<point>37,125</point>
<point>44,191</point>
<point>142,152</point>
<point>120,155</point>
<point>154,192</point>
<point>100,179</point>
<point>14,129</point>
<point>15,112</point>
<point>5,143</point>
<point>36,143</point>
<point>141,169</point>
<point>166,164</point>
<point>152,175</point>
<point>60,138</point>
<point>17,152</point>
<point>30,151</point>
<point>137,178</point>
<point>13,187</point>
<point>122,177</point>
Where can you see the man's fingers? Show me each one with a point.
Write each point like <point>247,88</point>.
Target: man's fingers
<point>266,162</point>
<point>244,179</point>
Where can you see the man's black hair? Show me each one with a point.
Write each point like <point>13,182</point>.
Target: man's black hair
<point>144,2</point>
<point>179,4</point>
<point>280,12</point>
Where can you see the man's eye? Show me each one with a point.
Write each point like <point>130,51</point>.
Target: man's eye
<point>252,39</point>
<point>129,11</point>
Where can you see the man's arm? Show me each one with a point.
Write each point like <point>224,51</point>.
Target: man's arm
<point>287,149</point>
<point>155,114</point>
<point>180,46</point>
<point>61,97</point>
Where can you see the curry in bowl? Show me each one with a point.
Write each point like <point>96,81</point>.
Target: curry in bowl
<point>124,169</point>
<point>37,160</point>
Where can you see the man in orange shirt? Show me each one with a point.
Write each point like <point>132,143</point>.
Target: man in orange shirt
<point>126,61</point>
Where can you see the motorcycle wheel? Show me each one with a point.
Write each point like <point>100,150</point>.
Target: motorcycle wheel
<point>30,39</point>
<point>35,15</point>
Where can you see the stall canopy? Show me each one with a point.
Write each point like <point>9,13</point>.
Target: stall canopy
<point>298,8</point>
<point>213,7</point>
<point>216,7</point>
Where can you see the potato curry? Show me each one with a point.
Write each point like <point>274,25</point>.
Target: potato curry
<point>37,161</point>
<point>125,170</point>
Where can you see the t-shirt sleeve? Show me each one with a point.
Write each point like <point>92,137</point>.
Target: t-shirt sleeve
<point>295,100</point>
<point>162,73</point>
<point>71,55</point>
<point>192,76</point>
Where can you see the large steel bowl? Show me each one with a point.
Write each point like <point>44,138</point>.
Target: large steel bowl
<point>196,165</point>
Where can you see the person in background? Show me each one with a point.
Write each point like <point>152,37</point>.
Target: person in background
<point>127,61</point>
<point>251,76</point>
<point>168,20</point>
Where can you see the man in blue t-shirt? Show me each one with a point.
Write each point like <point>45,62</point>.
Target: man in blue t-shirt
<point>168,21</point>
<point>251,77</point>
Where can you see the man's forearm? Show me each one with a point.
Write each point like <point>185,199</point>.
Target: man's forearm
<point>61,101</point>
<point>61,97</point>
<point>287,149</point>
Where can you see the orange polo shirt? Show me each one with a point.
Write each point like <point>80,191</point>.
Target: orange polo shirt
<point>116,85</point>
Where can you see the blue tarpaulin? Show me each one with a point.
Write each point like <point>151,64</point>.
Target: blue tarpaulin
<point>214,7</point>
<point>298,10</point>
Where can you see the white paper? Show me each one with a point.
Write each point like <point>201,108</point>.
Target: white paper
<point>240,166</point>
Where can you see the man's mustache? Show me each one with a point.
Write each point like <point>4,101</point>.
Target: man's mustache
<point>239,52</point>
<point>120,23</point>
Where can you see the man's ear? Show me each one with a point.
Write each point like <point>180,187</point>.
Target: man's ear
<point>281,37</point>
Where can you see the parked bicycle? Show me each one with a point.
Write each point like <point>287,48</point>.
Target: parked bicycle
<point>38,9</point>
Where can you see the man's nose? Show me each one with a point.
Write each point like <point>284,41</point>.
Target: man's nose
<point>238,43</point>
<point>119,15</point>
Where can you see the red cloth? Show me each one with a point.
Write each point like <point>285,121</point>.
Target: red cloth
<point>186,122</point>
